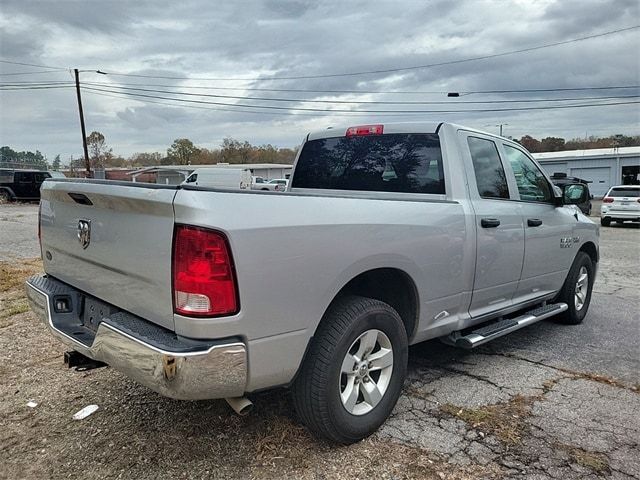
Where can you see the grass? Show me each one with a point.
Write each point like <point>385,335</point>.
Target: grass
<point>504,420</point>
<point>13,274</point>
<point>597,462</point>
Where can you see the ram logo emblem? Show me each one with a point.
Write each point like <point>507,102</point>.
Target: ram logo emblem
<point>84,232</point>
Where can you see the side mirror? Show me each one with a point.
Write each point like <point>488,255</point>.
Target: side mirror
<point>574,193</point>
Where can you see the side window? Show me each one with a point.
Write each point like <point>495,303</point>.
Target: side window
<point>192,178</point>
<point>23,177</point>
<point>490,176</point>
<point>532,184</point>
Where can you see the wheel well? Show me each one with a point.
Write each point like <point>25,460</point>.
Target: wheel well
<point>590,249</point>
<point>391,286</point>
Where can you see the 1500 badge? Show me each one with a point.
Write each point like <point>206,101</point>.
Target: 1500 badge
<point>567,242</point>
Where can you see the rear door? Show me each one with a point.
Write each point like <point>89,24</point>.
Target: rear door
<point>500,232</point>
<point>548,229</point>
<point>23,185</point>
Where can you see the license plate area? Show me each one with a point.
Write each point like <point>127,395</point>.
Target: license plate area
<point>93,313</point>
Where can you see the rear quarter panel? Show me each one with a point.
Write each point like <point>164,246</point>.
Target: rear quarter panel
<point>293,253</point>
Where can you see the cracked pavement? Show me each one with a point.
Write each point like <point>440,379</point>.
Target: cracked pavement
<point>579,385</point>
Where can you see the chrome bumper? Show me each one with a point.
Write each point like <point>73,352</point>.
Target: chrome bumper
<point>215,371</point>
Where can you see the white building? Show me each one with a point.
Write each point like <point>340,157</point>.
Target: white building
<point>175,174</point>
<point>604,167</point>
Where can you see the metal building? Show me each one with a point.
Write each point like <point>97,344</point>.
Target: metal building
<point>605,167</point>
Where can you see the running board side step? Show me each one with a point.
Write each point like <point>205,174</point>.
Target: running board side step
<point>505,326</point>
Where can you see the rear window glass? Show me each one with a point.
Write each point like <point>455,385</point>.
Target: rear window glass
<point>398,162</point>
<point>624,192</point>
<point>6,176</point>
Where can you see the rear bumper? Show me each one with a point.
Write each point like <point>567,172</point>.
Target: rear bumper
<point>621,215</point>
<point>173,366</point>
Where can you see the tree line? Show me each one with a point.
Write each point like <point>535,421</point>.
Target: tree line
<point>557,144</point>
<point>184,152</point>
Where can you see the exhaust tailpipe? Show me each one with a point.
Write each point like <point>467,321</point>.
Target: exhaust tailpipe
<point>241,405</point>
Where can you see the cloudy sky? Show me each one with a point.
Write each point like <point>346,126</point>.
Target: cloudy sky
<point>244,49</point>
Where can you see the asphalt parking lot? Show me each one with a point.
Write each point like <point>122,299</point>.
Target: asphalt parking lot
<point>549,401</point>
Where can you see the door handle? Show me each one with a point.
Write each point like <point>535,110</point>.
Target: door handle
<point>489,222</point>
<point>534,222</point>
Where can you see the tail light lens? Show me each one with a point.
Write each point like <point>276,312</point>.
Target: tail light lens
<point>607,200</point>
<point>364,130</point>
<point>204,283</point>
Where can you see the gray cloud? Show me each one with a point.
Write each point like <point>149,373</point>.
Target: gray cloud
<point>296,37</point>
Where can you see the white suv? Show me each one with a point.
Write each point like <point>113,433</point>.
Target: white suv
<point>620,204</point>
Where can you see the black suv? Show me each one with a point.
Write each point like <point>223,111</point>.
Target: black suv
<point>22,184</point>
<point>561,179</point>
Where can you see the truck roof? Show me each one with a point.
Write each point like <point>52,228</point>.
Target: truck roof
<point>397,127</point>
<point>392,127</point>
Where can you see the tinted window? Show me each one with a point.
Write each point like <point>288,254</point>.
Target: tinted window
<point>624,192</point>
<point>490,176</point>
<point>6,176</point>
<point>41,176</point>
<point>532,184</point>
<point>398,162</point>
<point>23,177</point>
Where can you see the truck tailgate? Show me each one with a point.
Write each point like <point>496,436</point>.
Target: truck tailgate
<point>126,258</point>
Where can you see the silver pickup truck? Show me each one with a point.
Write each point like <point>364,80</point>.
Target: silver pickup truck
<point>388,235</point>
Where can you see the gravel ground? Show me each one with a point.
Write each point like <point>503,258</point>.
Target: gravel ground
<point>549,401</point>
<point>18,231</point>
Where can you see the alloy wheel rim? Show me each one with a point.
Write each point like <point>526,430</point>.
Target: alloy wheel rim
<point>366,372</point>
<point>580,294</point>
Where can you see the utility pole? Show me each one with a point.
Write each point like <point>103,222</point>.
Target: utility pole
<point>84,132</point>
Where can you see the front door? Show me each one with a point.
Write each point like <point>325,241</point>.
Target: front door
<point>548,233</point>
<point>500,232</point>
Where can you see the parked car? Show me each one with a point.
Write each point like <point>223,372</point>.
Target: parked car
<point>219,177</point>
<point>22,184</point>
<point>257,182</point>
<point>561,179</point>
<point>199,294</point>
<point>621,204</point>
<point>276,185</point>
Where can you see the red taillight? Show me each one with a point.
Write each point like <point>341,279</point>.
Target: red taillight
<point>204,283</point>
<point>607,200</point>
<point>364,130</point>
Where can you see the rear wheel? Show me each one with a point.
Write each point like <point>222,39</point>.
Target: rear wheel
<point>576,291</point>
<point>4,196</point>
<point>605,222</point>
<point>353,374</point>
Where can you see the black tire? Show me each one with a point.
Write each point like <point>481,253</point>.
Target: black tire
<point>316,390</point>
<point>605,222</point>
<point>4,196</point>
<point>573,315</point>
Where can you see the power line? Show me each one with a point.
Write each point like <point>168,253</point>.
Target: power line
<point>44,87</point>
<point>29,73</point>
<point>390,92</point>
<point>301,90</point>
<point>305,109</point>
<point>362,102</point>
<point>32,65</point>
<point>387,70</point>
